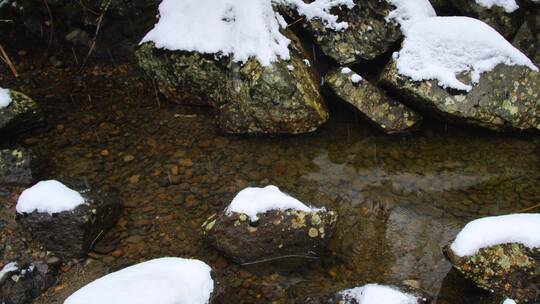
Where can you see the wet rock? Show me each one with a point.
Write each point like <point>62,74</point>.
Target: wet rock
<point>353,295</point>
<point>527,38</point>
<point>21,286</point>
<point>386,113</point>
<point>276,234</point>
<point>504,99</point>
<point>21,115</point>
<point>505,23</point>
<point>368,35</point>
<point>71,234</point>
<point>511,270</point>
<point>248,98</point>
<point>19,167</point>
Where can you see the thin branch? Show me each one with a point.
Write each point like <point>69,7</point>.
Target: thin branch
<point>51,30</point>
<point>93,44</point>
<point>5,58</point>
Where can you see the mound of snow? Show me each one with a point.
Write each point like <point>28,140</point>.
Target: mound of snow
<point>509,6</point>
<point>9,267</point>
<point>377,294</point>
<point>509,301</point>
<point>495,230</point>
<point>5,98</point>
<point>407,12</point>
<point>240,28</point>
<point>48,196</point>
<point>441,48</point>
<point>159,281</point>
<point>253,200</point>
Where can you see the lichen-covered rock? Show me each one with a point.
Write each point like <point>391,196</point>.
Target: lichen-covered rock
<point>511,270</point>
<point>20,115</point>
<point>19,167</point>
<point>248,98</point>
<point>527,38</point>
<point>504,22</point>
<point>276,234</point>
<point>358,295</point>
<point>22,285</point>
<point>506,98</point>
<point>368,35</point>
<point>386,113</point>
<point>71,234</point>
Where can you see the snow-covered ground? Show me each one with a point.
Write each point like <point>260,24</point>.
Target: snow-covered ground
<point>9,267</point>
<point>495,230</point>
<point>48,196</point>
<point>5,98</point>
<point>441,48</point>
<point>252,200</point>
<point>159,281</point>
<point>240,28</point>
<point>509,6</point>
<point>377,294</point>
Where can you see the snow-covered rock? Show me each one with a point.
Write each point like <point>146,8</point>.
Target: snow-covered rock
<point>387,114</point>
<point>263,224</point>
<point>65,221</point>
<point>18,115</point>
<point>509,6</point>
<point>19,167</point>
<point>25,283</point>
<point>500,254</point>
<point>5,98</point>
<point>374,294</point>
<point>460,69</point>
<point>160,281</point>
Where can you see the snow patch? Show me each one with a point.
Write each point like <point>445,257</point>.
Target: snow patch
<point>440,48</point>
<point>345,71</point>
<point>407,12</point>
<point>5,98</point>
<point>521,228</point>
<point>355,78</point>
<point>253,200</point>
<point>9,267</point>
<point>159,281</point>
<point>509,301</point>
<point>48,196</point>
<point>376,294</point>
<point>242,29</point>
<point>509,6</point>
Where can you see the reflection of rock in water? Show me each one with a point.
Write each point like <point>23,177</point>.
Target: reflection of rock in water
<point>456,290</point>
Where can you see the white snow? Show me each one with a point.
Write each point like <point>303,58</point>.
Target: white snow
<point>377,294</point>
<point>407,12</point>
<point>253,200</point>
<point>441,48</point>
<point>509,6</point>
<point>521,228</point>
<point>345,71</point>
<point>5,98</point>
<point>509,301</point>
<point>159,281</point>
<point>9,267</point>
<point>48,196</point>
<point>355,78</point>
<point>240,28</point>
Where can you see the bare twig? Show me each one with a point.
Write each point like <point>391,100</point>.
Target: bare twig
<point>51,30</point>
<point>5,58</point>
<point>93,44</point>
<point>528,208</point>
<point>295,22</point>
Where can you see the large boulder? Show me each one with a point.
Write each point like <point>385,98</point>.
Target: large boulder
<point>512,270</point>
<point>70,233</point>
<point>20,115</point>
<point>22,285</point>
<point>505,98</point>
<point>369,34</point>
<point>386,113</point>
<point>19,167</point>
<point>249,98</point>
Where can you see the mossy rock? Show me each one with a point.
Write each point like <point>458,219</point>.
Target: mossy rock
<point>21,115</point>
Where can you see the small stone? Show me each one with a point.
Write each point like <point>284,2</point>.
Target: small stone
<point>313,232</point>
<point>128,158</point>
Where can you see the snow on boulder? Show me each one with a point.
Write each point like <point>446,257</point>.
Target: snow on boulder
<point>253,200</point>
<point>159,281</point>
<point>241,29</point>
<point>264,224</point>
<point>408,12</point>
<point>375,294</point>
<point>48,197</point>
<point>23,283</point>
<point>442,48</point>
<point>5,98</point>
<point>9,267</point>
<point>500,254</point>
<point>496,230</point>
<point>509,6</point>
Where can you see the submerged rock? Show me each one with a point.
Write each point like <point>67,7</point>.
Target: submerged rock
<point>20,115</point>
<point>373,293</point>
<point>386,113</point>
<point>367,36</point>
<point>248,98</point>
<point>505,98</point>
<point>22,285</point>
<point>19,167</point>
<point>276,234</point>
<point>511,270</point>
<point>71,234</point>
<point>527,38</point>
